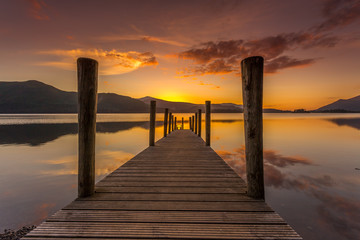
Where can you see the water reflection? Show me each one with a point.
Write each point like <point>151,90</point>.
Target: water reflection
<point>310,163</point>
<point>38,134</point>
<point>350,122</point>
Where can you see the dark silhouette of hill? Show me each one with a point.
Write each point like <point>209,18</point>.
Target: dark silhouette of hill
<point>36,97</point>
<point>342,105</point>
<point>38,134</point>
<point>350,122</point>
<point>184,107</point>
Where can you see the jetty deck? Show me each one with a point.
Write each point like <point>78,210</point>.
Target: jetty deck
<point>177,189</point>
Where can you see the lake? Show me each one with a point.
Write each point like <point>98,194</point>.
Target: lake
<point>311,162</point>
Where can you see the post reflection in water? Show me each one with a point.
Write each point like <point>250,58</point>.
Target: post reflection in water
<point>310,166</point>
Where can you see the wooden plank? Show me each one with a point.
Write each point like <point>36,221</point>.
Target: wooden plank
<point>200,190</point>
<point>171,179</point>
<point>250,206</point>
<point>208,184</point>
<point>168,197</point>
<point>163,230</point>
<point>166,216</point>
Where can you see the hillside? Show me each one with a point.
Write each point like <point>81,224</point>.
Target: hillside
<point>184,107</point>
<point>36,97</point>
<point>350,105</point>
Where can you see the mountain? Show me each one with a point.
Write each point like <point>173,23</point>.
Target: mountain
<point>36,97</point>
<point>342,105</point>
<point>184,107</point>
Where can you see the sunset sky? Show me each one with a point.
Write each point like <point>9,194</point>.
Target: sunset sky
<point>188,50</point>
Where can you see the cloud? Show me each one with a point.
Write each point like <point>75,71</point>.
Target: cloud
<point>116,38</point>
<point>224,57</point>
<point>110,62</point>
<point>37,9</point>
<point>338,13</point>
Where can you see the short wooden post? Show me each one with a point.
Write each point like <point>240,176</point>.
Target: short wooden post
<point>207,121</point>
<point>252,90</point>
<point>175,127</point>
<point>199,124</point>
<point>170,122</point>
<point>172,125</point>
<point>182,123</point>
<point>87,106</point>
<point>165,121</point>
<point>190,123</point>
<point>152,123</point>
<point>196,123</point>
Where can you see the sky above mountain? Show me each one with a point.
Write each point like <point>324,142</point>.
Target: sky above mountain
<point>188,50</point>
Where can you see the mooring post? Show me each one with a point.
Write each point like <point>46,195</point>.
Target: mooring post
<point>207,121</point>
<point>170,122</point>
<point>152,123</point>
<point>190,123</point>
<point>196,123</point>
<point>165,121</point>
<point>252,90</point>
<point>87,105</point>
<point>182,123</point>
<point>172,125</point>
<point>199,119</point>
<point>175,123</point>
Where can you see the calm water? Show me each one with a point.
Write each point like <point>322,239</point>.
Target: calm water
<point>312,164</point>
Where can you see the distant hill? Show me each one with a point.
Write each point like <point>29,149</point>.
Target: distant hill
<point>36,97</point>
<point>342,105</point>
<point>184,107</point>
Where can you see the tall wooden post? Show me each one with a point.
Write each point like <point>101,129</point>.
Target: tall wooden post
<point>152,123</point>
<point>175,127</point>
<point>190,123</point>
<point>165,121</point>
<point>199,124</point>
<point>196,123</point>
<point>207,121</point>
<point>252,90</point>
<point>170,123</point>
<point>87,106</point>
<point>182,123</point>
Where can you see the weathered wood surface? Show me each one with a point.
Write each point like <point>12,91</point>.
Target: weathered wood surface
<point>252,85</point>
<point>177,189</point>
<point>87,108</point>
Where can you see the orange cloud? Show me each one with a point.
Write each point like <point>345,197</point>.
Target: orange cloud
<point>37,9</point>
<point>110,62</point>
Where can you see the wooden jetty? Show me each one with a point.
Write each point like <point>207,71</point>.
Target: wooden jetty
<point>178,189</point>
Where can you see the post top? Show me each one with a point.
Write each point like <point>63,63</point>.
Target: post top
<point>84,59</point>
<point>253,59</point>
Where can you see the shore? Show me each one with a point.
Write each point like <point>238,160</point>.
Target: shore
<point>10,234</point>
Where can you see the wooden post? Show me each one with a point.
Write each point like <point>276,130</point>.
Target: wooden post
<point>152,123</point>
<point>170,122</point>
<point>172,125</point>
<point>190,123</point>
<point>175,127</point>
<point>87,106</point>
<point>207,121</point>
<point>252,90</point>
<point>165,121</point>
<point>196,123</point>
<point>199,127</point>
<point>182,123</point>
